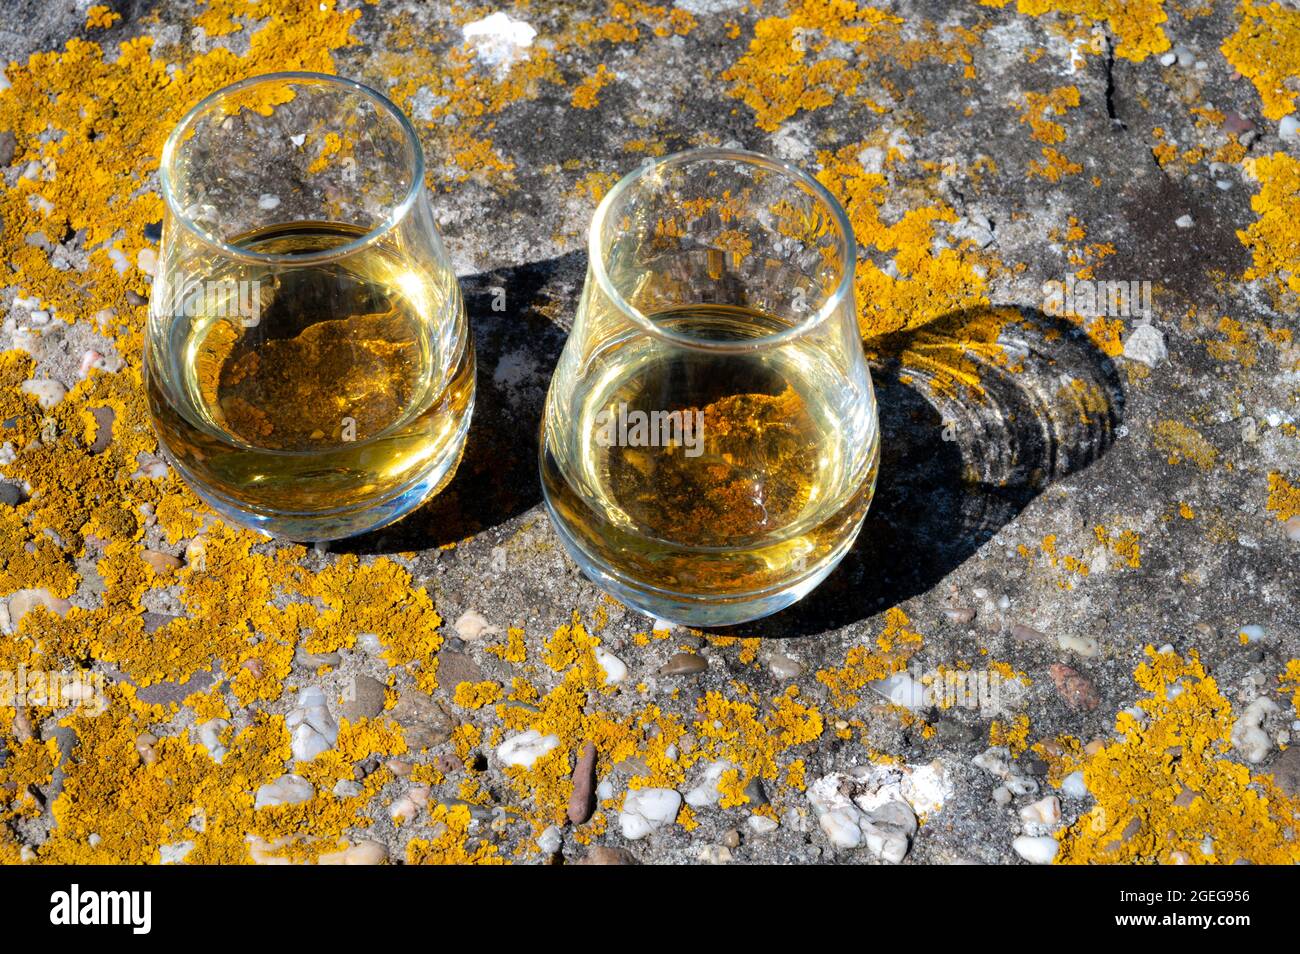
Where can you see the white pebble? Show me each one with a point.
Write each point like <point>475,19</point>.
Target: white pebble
<point>648,809</point>
<point>1082,645</point>
<point>1073,786</point>
<point>47,393</point>
<point>841,827</point>
<point>1045,811</point>
<point>1289,127</point>
<point>763,825</point>
<point>147,260</point>
<point>1184,221</point>
<point>526,748</point>
<point>706,793</point>
<point>1248,736</point>
<point>1253,633</point>
<point>285,790</point>
<point>210,738</point>
<point>472,626</point>
<point>1146,344</point>
<point>1038,851</point>
<point>549,841</point>
<point>21,602</point>
<point>266,201</point>
<point>615,669</point>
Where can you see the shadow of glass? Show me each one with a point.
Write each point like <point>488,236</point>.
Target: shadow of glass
<point>980,411</point>
<point>516,345</point>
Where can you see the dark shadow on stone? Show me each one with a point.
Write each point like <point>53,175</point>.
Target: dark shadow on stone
<point>958,465</point>
<point>516,349</point>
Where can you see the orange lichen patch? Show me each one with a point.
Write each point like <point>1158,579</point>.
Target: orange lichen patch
<point>587,93</point>
<point>1266,48</point>
<point>1053,166</point>
<point>1273,239</point>
<point>930,283</point>
<point>100,16</point>
<point>1014,736</point>
<point>1283,497</point>
<point>1236,345</point>
<point>1135,23</point>
<point>735,731</point>
<point>1182,746</point>
<point>1126,544</point>
<point>623,20</point>
<point>1183,443</point>
<point>448,846</point>
<point>1289,683</point>
<point>514,649</point>
<point>476,695</point>
<point>594,185</point>
<point>862,665</point>
<point>783,72</point>
<point>1038,106</point>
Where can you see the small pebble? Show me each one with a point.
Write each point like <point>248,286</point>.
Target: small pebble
<point>1074,786</point>
<point>1289,127</point>
<point>23,602</point>
<point>646,810</point>
<point>549,841</point>
<point>163,563</point>
<point>959,615</point>
<point>1027,634</point>
<point>684,664</point>
<point>1184,221</point>
<point>783,667</point>
<point>364,698</point>
<point>731,838</point>
<point>266,201</point>
<point>286,790</point>
<point>471,626</point>
<point>362,853</point>
<point>1248,736</point>
<point>1045,811</point>
<point>47,393</point>
<point>1075,689</point>
<point>1292,527</point>
<point>614,668</point>
<point>526,748</point>
<point>582,802</point>
<point>603,855</point>
<point>762,824</point>
<point>1039,851</point>
<point>11,495</point>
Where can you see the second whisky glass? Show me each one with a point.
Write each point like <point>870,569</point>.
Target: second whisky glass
<point>710,439</point>
<point>308,360</point>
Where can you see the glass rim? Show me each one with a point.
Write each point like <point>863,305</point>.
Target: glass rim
<point>845,239</point>
<point>396,214</point>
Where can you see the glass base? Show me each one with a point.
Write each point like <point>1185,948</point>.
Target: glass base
<point>337,524</point>
<point>695,609</point>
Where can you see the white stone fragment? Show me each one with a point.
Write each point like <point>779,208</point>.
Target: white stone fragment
<point>615,669</point>
<point>1073,786</point>
<point>47,393</point>
<point>1040,850</point>
<point>549,841</point>
<point>526,748</point>
<point>1146,344</point>
<point>647,809</point>
<point>285,790</point>
<point>1248,736</point>
<point>706,793</point>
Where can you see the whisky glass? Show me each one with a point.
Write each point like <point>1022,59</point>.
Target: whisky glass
<point>308,361</point>
<point>710,438</point>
